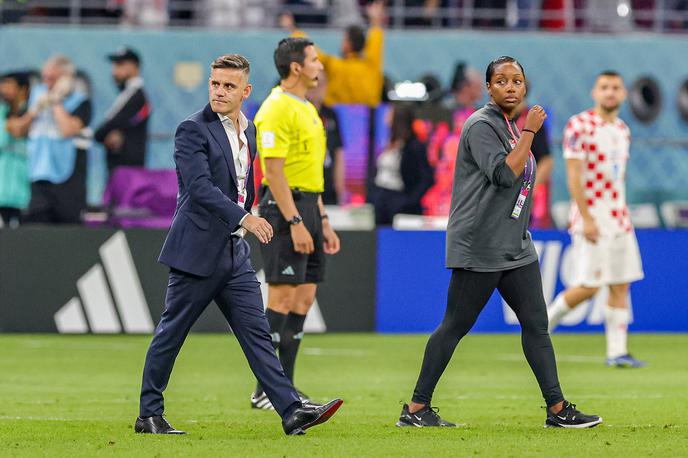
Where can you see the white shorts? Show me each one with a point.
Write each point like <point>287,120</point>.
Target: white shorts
<point>613,260</point>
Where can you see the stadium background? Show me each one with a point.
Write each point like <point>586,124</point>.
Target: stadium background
<point>397,277</point>
<point>560,67</point>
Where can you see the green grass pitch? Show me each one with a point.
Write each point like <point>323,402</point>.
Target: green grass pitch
<point>78,396</point>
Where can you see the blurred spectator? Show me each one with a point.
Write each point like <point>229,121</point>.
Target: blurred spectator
<point>467,92</point>
<point>335,188</point>
<point>489,13</point>
<point>57,152</point>
<point>540,215</point>
<point>466,87</point>
<point>425,12</point>
<point>525,10</point>
<point>563,14</point>
<point>608,16</point>
<point>643,13</point>
<point>146,13</point>
<point>235,13</point>
<point>344,13</point>
<point>14,174</point>
<point>125,129</point>
<point>308,12</point>
<point>553,16</point>
<point>356,77</point>
<point>403,173</point>
<point>675,12</point>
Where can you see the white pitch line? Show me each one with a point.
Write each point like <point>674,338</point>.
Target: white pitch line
<point>518,397</point>
<point>564,358</point>
<point>7,417</point>
<point>83,345</point>
<point>333,352</point>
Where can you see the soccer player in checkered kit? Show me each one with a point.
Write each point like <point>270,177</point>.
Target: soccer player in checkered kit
<point>604,246</point>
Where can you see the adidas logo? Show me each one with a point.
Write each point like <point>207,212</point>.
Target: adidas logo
<point>314,320</point>
<point>96,299</point>
<point>289,270</point>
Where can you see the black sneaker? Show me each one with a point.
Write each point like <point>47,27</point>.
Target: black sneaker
<point>427,416</point>
<point>569,417</point>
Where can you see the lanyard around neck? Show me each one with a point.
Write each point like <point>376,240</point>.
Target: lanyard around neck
<point>528,173</point>
<point>530,166</point>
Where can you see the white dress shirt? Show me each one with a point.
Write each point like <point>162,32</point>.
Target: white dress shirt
<point>240,155</point>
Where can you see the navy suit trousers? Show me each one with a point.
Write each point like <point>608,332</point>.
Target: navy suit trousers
<point>236,291</point>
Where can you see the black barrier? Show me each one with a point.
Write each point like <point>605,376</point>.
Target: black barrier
<point>71,279</point>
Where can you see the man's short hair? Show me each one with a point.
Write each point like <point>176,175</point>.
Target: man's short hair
<point>357,37</point>
<point>62,62</point>
<point>611,73</point>
<point>290,50</point>
<point>234,61</point>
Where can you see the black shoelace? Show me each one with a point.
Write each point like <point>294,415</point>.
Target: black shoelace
<point>433,412</point>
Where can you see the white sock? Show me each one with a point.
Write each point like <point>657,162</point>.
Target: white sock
<point>616,329</point>
<point>557,311</point>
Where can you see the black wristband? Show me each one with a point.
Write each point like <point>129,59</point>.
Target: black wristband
<point>528,130</point>
<point>324,216</point>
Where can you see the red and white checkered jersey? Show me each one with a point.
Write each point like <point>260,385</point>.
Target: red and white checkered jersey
<point>604,149</point>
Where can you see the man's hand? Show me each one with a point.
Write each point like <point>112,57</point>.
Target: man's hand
<point>535,118</point>
<point>331,244</point>
<point>302,239</point>
<point>114,141</point>
<point>590,230</point>
<point>41,104</point>
<point>63,86</point>
<point>258,227</point>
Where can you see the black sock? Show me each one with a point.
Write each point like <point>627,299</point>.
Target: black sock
<point>276,323</point>
<point>289,342</point>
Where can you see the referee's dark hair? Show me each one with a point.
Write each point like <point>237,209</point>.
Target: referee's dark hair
<point>290,50</point>
<point>356,36</point>
<point>499,61</point>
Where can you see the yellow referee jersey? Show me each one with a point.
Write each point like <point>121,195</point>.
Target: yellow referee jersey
<point>290,127</point>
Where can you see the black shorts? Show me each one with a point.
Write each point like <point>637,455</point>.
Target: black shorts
<point>281,263</point>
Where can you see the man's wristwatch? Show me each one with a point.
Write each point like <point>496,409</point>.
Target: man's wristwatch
<point>295,220</point>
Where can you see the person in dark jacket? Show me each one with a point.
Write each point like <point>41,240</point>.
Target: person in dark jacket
<point>488,248</point>
<point>403,172</point>
<point>125,129</point>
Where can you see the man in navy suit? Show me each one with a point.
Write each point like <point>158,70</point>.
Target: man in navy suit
<point>208,257</point>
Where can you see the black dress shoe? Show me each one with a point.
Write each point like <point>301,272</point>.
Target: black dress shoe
<point>309,415</point>
<point>155,425</point>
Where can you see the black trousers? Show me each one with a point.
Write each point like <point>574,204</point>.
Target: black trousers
<point>59,203</point>
<point>468,293</point>
<point>10,216</point>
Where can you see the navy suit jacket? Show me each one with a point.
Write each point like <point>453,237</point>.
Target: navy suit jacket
<point>207,210</point>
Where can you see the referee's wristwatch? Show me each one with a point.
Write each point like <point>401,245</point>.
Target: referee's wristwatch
<point>295,220</point>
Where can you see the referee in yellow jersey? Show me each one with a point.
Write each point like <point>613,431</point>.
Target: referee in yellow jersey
<point>291,143</point>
